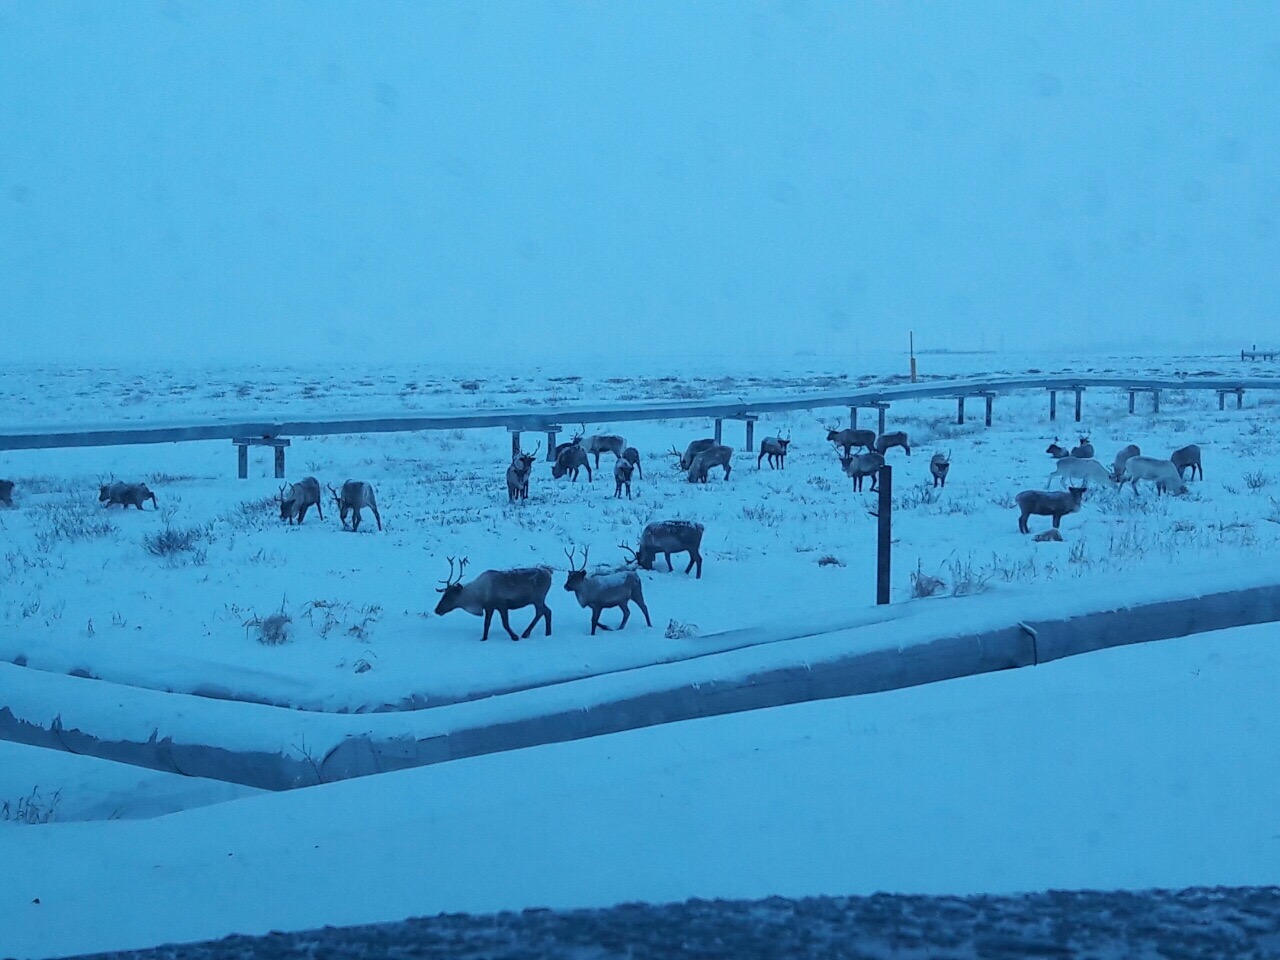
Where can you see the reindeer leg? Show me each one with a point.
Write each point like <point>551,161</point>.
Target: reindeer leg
<point>669,566</point>
<point>626,615</point>
<point>506,624</point>
<point>540,612</point>
<point>377,516</point>
<point>488,619</point>
<point>319,512</point>
<point>643,609</point>
<point>355,520</point>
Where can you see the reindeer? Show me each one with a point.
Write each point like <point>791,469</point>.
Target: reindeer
<point>1084,451</point>
<point>939,467</point>
<point>632,456</point>
<point>668,537</point>
<point>1084,471</point>
<point>296,498</point>
<point>850,438</point>
<point>604,443</point>
<point>604,591</point>
<point>692,451</point>
<point>355,495</point>
<point>518,474</point>
<point>1056,451</point>
<point>126,494</point>
<point>1163,473</point>
<point>6,492</point>
<point>500,591</point>
<point>861,465</point>
<point>1188,456</point>
<point>622,477</point>
<point>570,460</point>
<point>1117,466</point>
<point>896,439</point>
<point>716,456</point>
<point>574,441</point>
<point>1057,505</point>
<point>775,448</point>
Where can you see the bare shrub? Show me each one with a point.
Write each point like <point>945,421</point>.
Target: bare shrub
<point>830,561</point>
<point>31,809</point>
<point>678,630</point>
<point>924,585</point>
<point>1256,480</point>
<point>178,543</point>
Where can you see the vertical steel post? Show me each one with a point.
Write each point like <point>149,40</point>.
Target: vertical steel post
<point>1079,402</point>
<point>884,527</point>
<point>882,410</point>
<point>751,436</point>
<point>959,410</point>
<point>990,402</point>
<point>1053,404</point>
<point>719,429</point>
<point>515,444</point>
<point>551,445</point>
<point>242,460</point>
<point>279,463</point>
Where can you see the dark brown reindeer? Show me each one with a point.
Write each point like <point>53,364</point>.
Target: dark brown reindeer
<point>851,437</point>
<point>858,466</point>
<point>939,467</point>
<point>297,498</point>
<point>6,492</point>
<point>604,591</point>
<point>1057,451</point>
<point>668,537</point>
<point>1084,450</point>
<point>632,456</point>
<point>355,496</point>
<point>691,452</point>
<point>570,460</point>
<point>622,470</point>
<point>715,456</point>
<point>604,443</point>
<point>1041,504</point>
<point>518,474</point>
<point>1188,456</point>
<point>574,441</point>
<point>499,591</point>
<point>775,448</point>
<point>126,494</point>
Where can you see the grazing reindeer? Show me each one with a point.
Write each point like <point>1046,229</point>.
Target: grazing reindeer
<point>297,498</point>
<point>850,438</point>
<point>939,467</point>
<point>604,443</point>
<point>775,448</point>
<point>861,465</point>
<point>622,477</point>
<point>1163,473</point>
<point>574,441</point>
<point>1188,456</point>
<point>896,439</point>
<point>1057,505</point>
<point>570,460</point>
<point>1056,451</point>
<point>605,591</point>
<point>632,456</point>
<point>126,494</point>
<point>1084,451</point>
<point>518,474</point>
<point>500,591</point>
<point>692,451</point>
<point>1082,471</point>
<point>6,492</point>
<point>355,495</point>
<point>1117,466</point>
<point>716,456</point>
<point>668,537</point>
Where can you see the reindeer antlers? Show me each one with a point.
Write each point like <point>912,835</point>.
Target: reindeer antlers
<point>451,582</point>
<point>632,558</point>
<point>573,567</point>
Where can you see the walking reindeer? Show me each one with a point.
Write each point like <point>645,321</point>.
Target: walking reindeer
<point>601,592</point>
<point>498,591</point>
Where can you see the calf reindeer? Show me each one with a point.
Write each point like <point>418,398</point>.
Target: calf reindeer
<point>498,591</point>
<point>775,448</point>
<point>1082,471</point>
<point>622,477</point>
<point>126,494</point>
<point>1056,451</point>
<point>355,496</point>
<point>297,498</point>
<point>518,474</point>
<point>1188,456</point>
<point>602,592</point>
<point>939,467</point>
<point>1041,504</point>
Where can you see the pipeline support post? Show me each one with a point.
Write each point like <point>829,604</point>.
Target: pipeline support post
<point>1079,402</point>
<point>719,430</point>
<point>1053,404</point>
<point>960,410</point>
<point>884,528</point>
<point>990,398</point>
<point>552,431</point>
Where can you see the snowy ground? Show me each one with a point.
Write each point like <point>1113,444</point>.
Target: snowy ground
<point>1136,767</point>
<point>81,591</point>
<point>1146,767</point>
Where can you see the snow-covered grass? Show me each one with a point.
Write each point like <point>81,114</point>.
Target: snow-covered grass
<point>176,599</point>
<point>1144,766</point>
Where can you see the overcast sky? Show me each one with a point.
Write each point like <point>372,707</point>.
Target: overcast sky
<point>296,181</point>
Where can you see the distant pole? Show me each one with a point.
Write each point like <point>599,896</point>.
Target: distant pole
<point>883,530</point>
<point>912,340</point>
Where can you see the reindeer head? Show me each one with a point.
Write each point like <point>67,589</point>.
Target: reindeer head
<point>526,459</point>
<point>452,589</point>
<point>641,558</point>
<point>576,574</point>
<point>341,504</point>
<point>285,499</point>
<point>785,442</point>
